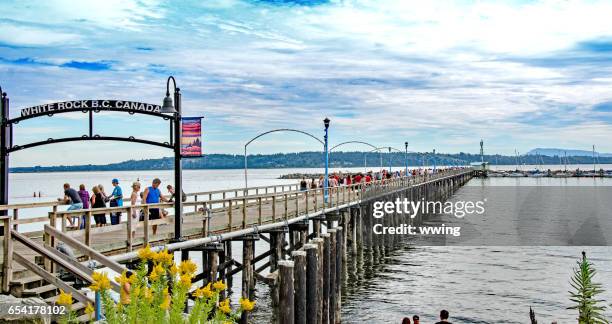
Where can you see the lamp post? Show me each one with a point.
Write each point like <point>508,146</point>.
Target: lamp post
<point>434,161</point>
<point>406,159</point>
<point>389,159</point>
<point>326,180</point>
<point>169,108</point>
<point>4,160</point>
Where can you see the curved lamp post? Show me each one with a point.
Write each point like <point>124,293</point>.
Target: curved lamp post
<point>406,159</point>
<point>246,178</point>
<point>175,109</point>
<point>356,142</point>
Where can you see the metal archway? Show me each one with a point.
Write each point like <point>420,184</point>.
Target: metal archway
<point>90,107</point>
<point>266,133</point>
<point>356,142</point>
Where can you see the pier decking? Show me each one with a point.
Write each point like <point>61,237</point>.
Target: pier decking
<point>211,221</point>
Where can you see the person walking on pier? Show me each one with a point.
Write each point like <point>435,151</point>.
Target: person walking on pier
<point>97,201</point>
<point>84,194</point>
<point>135,200</point>
<point>173,194</point>
<point>116,200</point>
<point>71,197</point>
<point>444,317</point>
<point>152,195</point>
<point>415,319</point>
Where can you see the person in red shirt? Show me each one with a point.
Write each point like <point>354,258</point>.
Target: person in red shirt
<point>358,178</point>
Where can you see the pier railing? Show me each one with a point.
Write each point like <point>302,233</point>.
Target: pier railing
<point>209,213</point>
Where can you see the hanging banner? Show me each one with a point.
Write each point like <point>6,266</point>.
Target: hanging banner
<point>191,139</point>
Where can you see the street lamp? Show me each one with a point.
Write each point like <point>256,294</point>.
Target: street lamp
<point>389,159</point>
<point>326,180</point>
<point>4,161</point>
<point>169,108</point>
<point>434,161</point>
<point>406,158</point>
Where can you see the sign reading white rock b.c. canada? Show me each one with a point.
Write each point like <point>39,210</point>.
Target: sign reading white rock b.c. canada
<point>90,104</point>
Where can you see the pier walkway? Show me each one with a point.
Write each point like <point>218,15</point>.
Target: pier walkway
<point>291,221</point>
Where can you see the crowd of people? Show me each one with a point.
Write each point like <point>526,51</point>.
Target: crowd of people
<point>444,315</point>
<point>337,179</point>
<point>98,198</point>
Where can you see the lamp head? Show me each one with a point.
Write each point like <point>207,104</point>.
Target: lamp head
<point>326,122</point>
<point>406,144</point>
<point>168,106</point>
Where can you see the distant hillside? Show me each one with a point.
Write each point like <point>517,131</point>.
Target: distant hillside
<point>561,152</point>
<point>308,160</point>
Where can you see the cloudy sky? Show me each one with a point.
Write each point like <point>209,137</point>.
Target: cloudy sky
<point>440,74</point>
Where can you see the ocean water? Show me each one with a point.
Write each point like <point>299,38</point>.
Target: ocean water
<point>478,283</point>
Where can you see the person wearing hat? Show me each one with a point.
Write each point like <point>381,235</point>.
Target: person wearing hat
<point>116,200</point>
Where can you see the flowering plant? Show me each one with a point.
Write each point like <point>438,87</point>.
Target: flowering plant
<point>159,295</point>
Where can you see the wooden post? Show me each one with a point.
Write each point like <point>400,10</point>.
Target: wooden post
<point>277,238</point>
<point>130,239</point>
<point>286,206</point>
<point>299,283</point>
<point>244,213</point>
<point>229,215</point>
<point>320,242</point>
<point>7,255</point>
<point>16,219</point>
<point>312,275</point>
<point>286,295</point>
<point>228,257</point>
<point>326,276</point>
<point>259,220</point>
<point>333,236</point>
<point>213,265</point>
<point>340,260</point>
<point>88,230</point>
<point>316,227</point>
<point>274,206</point>
<point>146,225</point>
<point>248,249</point>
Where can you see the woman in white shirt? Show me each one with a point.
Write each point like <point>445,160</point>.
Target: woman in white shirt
<point>135,199</point>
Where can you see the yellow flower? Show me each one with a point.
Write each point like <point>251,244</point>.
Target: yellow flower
<point>219,285</point>
<point>187,266</point>
<point>246,304</point>
<point>166,303</point>
<point>89,310</point>
<point>203,292</point>
<point>185,280</point>
<point>173,269</point>
<point>124,278</point>
<point>64,298</point>
<point>100,281</point>
<point>163,257</point>
<point>146,253</point>
<point>147,294</point>
<point>225,307</point>
<point>157,272</point>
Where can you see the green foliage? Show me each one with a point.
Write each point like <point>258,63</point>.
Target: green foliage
<point>590,310</point>
<point>309,160</point>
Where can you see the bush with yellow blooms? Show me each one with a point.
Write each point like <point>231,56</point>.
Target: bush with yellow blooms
<point>160,295</point>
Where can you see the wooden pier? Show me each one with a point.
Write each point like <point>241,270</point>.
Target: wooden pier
<point>311,241</point>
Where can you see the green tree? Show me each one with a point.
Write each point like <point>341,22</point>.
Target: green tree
<point>590,310</point>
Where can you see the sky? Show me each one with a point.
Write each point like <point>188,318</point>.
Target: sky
<point>438,74</point>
